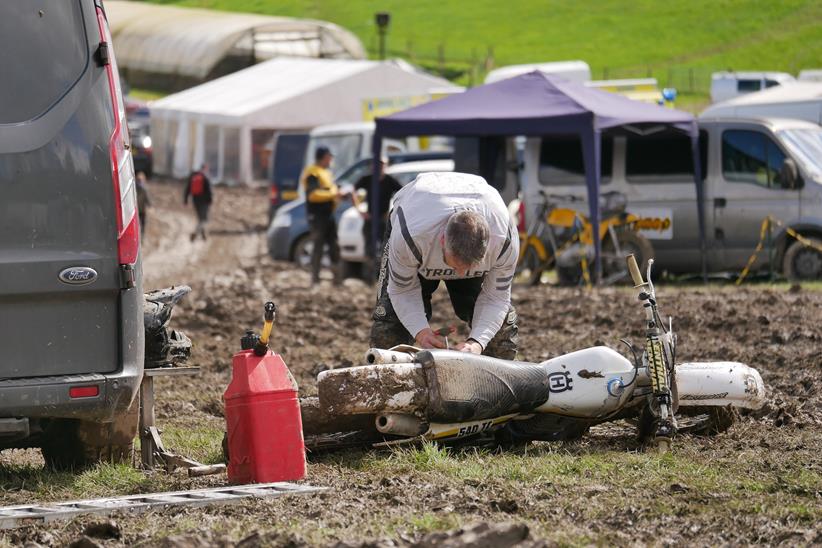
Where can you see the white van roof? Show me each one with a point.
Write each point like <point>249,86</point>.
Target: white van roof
<point>752,75</point>
<point>350,127</point>
<point>576,71</point>
<point>774,124</point>
<point>792,93</point>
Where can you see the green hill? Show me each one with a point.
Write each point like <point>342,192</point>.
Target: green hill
<point>679,42</point>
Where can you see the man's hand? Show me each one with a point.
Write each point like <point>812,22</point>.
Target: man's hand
<point>471,346</point>
<point>426,338</point>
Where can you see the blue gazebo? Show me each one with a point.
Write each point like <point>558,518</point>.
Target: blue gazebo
<point>536,104</point>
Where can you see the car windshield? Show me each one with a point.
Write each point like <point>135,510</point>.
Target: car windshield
<point>806,146</point>
<point>346,149</point>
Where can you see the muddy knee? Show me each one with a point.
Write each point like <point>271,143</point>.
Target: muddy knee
<point>385,334</point>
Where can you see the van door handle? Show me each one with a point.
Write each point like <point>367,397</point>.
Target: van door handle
<point>720,202</point>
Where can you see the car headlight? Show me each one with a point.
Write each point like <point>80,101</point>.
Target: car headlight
<point>280,221</point>
<point>146,142</point>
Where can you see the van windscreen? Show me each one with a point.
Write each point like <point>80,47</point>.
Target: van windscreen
<point>43,52</point>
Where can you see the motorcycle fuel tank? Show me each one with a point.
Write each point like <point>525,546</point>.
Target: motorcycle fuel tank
<point>588,383</point>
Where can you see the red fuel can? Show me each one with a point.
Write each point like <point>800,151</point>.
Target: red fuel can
<point>262,413</point>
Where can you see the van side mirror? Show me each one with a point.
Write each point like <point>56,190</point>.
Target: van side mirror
<point>790,174</point>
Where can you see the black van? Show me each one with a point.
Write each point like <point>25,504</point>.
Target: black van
<point>71,301</point>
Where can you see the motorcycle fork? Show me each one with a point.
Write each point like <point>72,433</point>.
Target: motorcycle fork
<point>658,370</point>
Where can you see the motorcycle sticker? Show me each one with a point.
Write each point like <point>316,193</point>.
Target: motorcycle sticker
<point>560,382</point>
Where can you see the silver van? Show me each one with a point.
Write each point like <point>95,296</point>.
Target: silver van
<point>71,301</point>
<point>752,169</point>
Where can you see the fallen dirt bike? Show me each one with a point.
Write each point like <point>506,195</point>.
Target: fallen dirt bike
<point>409,394</point>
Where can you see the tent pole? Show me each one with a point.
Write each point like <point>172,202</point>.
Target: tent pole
<point>591,151</point>
<point>700,201</point>
<point>374,195</point>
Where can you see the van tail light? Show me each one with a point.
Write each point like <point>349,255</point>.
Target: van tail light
<point>521,216</point>
<point>274,194</point>
<point>122,166</point>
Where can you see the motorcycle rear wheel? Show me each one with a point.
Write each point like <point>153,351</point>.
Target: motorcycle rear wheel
<point>614,267</point>
<point>529,269</point>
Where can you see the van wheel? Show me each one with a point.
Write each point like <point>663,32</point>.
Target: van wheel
<point>71,444</point>
<point>302,252</point>
<point>351,269</point>
<point>802,262</point>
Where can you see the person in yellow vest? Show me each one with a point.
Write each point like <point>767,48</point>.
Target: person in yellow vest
<point>322,196</point>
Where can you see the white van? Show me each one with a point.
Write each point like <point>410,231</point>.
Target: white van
<point>727,85</point>
<point>753,168</point>
<point>800,100</point>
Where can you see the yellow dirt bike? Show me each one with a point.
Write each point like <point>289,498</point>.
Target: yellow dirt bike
<point>562,238</point>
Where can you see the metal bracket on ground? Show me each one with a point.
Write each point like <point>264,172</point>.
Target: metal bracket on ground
<point>152,450</point>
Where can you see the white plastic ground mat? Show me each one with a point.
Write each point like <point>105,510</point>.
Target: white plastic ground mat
<point>18,516</point>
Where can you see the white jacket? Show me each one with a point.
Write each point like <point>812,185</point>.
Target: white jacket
<point>418,218</point>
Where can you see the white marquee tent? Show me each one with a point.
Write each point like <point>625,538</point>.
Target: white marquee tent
<point>218,122</point>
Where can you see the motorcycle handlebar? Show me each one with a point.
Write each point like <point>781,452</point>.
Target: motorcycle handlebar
<point>633,268</point>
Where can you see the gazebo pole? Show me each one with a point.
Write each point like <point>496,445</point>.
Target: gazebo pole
<point>700,201</point>
<point>591,145</point>
<point>374,195</point>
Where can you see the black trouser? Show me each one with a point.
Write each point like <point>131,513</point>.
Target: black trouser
<point>323,231</point>
<point>387,329</point>
<point>201,207</point>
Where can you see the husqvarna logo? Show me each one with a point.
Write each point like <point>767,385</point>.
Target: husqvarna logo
<point>560,382</point>
<point>78,275</point>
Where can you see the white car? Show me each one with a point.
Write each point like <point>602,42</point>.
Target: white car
<point>350,230</point>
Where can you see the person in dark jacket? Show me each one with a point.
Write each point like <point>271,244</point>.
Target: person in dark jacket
<point>322,196</point>
<point>388,187</point>
<point>199,188</point>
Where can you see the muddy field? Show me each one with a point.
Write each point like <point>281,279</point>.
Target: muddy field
<point>759,483</point>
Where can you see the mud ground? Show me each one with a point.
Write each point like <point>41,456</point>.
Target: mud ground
<point>776,329</point>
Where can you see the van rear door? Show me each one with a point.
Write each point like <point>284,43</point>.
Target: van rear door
<point>59,268</point>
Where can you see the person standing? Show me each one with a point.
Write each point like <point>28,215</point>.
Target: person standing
<point>450,227</point>
<point>199,188</point>
<point>322,197</point>
<point>388,187</point>
<point>143,201</point>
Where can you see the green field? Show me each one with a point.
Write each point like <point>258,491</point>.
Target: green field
<point>680,42</point>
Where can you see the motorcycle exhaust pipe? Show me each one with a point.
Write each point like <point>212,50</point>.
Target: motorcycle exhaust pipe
<point>400,425</point>
<point>378,356</point>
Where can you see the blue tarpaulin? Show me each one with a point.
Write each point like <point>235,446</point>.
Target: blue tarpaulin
<point>536,104</point>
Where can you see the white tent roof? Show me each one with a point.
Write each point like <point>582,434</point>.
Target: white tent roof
<point>296,93</point>
<point>792,92</point>
<point>191,42</point>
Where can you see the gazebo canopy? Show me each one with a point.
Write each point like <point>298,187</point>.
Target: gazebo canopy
<point>537,104</point>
